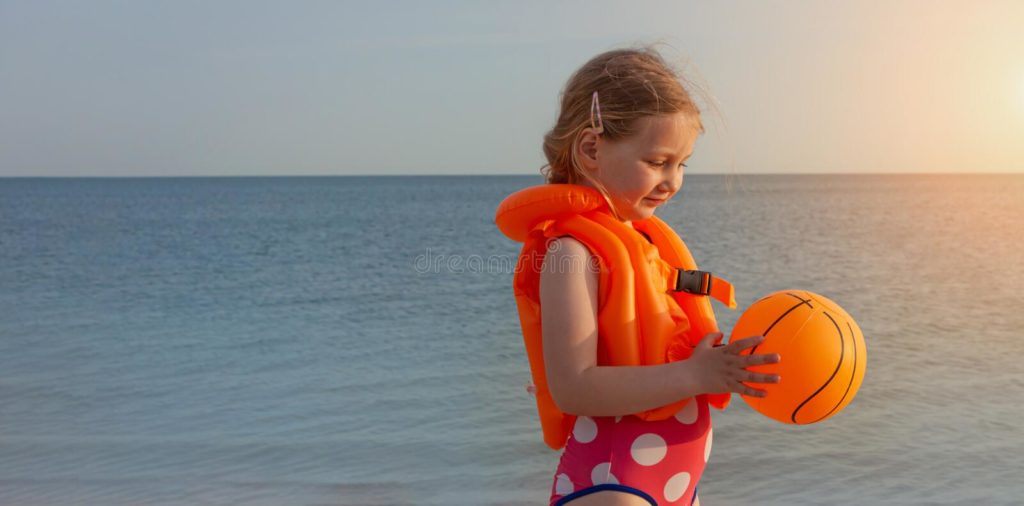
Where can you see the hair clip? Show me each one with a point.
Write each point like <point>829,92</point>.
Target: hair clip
<point>595,106</point>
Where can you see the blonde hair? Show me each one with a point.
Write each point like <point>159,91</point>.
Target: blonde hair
<point>631,83</point>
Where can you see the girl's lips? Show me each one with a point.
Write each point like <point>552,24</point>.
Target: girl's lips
<point>655,201</point>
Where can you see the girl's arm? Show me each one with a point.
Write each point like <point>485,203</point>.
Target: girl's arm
<point>568,296</point>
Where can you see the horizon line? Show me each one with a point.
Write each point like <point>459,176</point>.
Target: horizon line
<point>219,176</point>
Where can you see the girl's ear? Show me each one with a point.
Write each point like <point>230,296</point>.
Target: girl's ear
<point>587,149</point>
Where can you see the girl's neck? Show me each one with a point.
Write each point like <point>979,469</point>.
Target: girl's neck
<point>585,182</point>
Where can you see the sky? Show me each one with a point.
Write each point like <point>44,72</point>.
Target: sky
<point>232,88</point>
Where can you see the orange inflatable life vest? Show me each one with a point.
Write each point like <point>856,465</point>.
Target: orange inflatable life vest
<point>653,304</point>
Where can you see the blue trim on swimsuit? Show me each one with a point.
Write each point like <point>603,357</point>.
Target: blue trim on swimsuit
<point>607,486</point>
<point>620,488</point>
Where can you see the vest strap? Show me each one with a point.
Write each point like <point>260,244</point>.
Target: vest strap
<point>693,281</point>
<point>704,283</point>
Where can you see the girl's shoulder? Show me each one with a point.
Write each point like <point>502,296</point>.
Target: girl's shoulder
<point>568,255</point>
<point>567,246</point>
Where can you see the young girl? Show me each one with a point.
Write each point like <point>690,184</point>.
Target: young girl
<point>630,356</point>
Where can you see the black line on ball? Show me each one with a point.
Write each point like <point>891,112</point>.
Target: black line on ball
<point>842,351</point>
<point>777,320</point>
<point>849,385</point>
<point>797,297</point>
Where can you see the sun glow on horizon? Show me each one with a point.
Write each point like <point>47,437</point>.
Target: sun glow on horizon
<point>1020,94</point>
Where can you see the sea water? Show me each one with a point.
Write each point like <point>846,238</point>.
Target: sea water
<point>354,340</point>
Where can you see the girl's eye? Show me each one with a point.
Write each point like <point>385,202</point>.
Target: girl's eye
<point>662,164</point>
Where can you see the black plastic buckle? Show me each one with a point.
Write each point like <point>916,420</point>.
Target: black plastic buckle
<point>695,282</point>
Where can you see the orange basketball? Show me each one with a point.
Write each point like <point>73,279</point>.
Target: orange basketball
<point>821,350</point>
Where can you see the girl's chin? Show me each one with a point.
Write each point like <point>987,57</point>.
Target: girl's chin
<point>638,211</point>
<point>641,214</point>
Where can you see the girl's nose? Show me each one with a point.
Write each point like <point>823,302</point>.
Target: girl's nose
<point>675,181</point>
<point>671,184</point>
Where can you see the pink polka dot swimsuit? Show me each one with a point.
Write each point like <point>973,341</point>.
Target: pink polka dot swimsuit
<point>661,461</point>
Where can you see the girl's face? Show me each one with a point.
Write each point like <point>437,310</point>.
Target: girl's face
<point>645,171</point>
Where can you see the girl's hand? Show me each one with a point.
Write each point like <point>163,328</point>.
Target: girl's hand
<point>720,368</point>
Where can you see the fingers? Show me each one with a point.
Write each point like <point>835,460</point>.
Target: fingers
<point>754,377</point>
<point>751,392</point>
<point>761,359</point>
<point>736,364</point>
<point>749,342</point>
<point>709,339</point>
<point>742,344</point>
